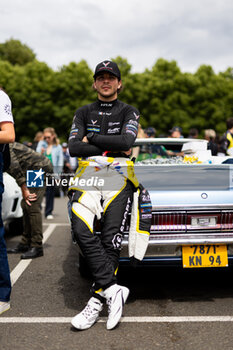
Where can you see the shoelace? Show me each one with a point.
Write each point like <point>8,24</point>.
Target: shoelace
<point>109,303</point>
<point>89,311</point>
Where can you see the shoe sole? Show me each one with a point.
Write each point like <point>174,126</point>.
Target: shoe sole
<point>80,328</point>
<point>31,257</point>
<point>20,251</point>
<point>125,294</point>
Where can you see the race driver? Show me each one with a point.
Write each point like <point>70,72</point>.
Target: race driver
<point>102,134</point>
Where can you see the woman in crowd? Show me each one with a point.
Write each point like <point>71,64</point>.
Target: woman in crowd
<point>51,148</point>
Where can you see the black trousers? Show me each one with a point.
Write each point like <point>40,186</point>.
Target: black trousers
<point>102,251</point>
<point>32,220</point>
<point>49,203</point>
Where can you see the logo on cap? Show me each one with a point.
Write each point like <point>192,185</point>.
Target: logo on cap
<point>106,64</point>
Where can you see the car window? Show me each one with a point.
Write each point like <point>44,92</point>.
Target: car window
<point>185,177</point>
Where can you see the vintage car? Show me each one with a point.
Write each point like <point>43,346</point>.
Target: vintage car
<point>192,204</point>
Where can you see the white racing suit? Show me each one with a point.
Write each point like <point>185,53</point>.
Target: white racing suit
<point>102,188</point>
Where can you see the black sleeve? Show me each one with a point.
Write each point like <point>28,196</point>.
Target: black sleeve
<point>77,148</point>
<point>128,135</point>
<point>223,144</point>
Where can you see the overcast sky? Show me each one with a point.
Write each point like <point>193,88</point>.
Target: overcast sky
<point>192,32</point>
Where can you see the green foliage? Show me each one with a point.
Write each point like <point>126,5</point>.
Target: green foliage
<point>15,52</point>
<point>164,95</point>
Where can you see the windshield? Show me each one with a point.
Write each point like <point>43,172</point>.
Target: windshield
<point>185,177</point>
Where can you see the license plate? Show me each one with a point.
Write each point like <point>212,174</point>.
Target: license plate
<point>204,256</point>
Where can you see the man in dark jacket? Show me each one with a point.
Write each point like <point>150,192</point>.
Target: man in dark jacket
<point>23,159</point>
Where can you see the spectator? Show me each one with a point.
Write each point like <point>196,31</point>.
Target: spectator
<point>38,137</point>
<point>150,132</point>
<point>7,135</point>
<point>210,135</point>
<point>51,148</point>
<point>226,142</point>
<point>138,149</point>
<point>24,158</point>
<point>193,133</point>
<point>70,165</point>
<point>69,162</point>
<point>153,149</point>
<point>176,132</point>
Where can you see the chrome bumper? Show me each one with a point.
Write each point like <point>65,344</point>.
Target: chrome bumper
<point>171,245</point>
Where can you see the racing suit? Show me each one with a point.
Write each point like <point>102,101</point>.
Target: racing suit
<point>112,127</point>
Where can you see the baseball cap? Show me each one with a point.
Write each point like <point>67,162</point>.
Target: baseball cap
<point>64,144</point>
<point>150,131</point>
<point>109,67</point>
<point>176,128</point>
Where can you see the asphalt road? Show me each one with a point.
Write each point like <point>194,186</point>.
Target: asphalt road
<point>167,308</point>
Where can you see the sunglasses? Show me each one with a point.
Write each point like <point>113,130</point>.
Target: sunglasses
<point>47,137</point>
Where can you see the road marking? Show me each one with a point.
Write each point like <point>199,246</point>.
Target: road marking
<point>23,264</point>
<point>48,232</point>
<point>145,319</point>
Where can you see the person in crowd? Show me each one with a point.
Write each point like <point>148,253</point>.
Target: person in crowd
<point>70,165</point>
<point>157,150</point>
<point>210,136</point>
<point>175,132</point>
<point>136,150</point>
<point>7,135</point>
<point>226,141</point>
<point>51,148</point>
<point>24,159</point>
<point>38,137</point>
<point>193,133</point>
<point>69,162</point>
<point>107,129</point>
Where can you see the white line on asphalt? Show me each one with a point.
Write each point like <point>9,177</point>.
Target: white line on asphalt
<point>48,232</point>
<point>23,264</point>
<point>152,319</point>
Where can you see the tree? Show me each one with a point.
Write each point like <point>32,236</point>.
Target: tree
<point>33,107</point>
<point>72,88</point>
<point>15,52</point>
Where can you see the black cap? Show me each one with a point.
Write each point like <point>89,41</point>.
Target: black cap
<point>150,131</point>
<point>108,66</point>
<point>176,128</point>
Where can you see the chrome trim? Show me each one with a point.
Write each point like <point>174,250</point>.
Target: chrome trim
<point>192,207</point>
<point>185,240</point>
<point>167,141</point>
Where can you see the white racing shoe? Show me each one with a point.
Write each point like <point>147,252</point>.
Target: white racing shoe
<point>116,297</point>
<point>86,318</point>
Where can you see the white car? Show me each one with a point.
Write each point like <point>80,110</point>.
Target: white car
<point>11,204</point>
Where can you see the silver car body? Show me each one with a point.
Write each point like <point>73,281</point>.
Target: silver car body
<point>192,204</point>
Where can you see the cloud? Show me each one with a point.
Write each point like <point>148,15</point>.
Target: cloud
<point>61,31</point>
